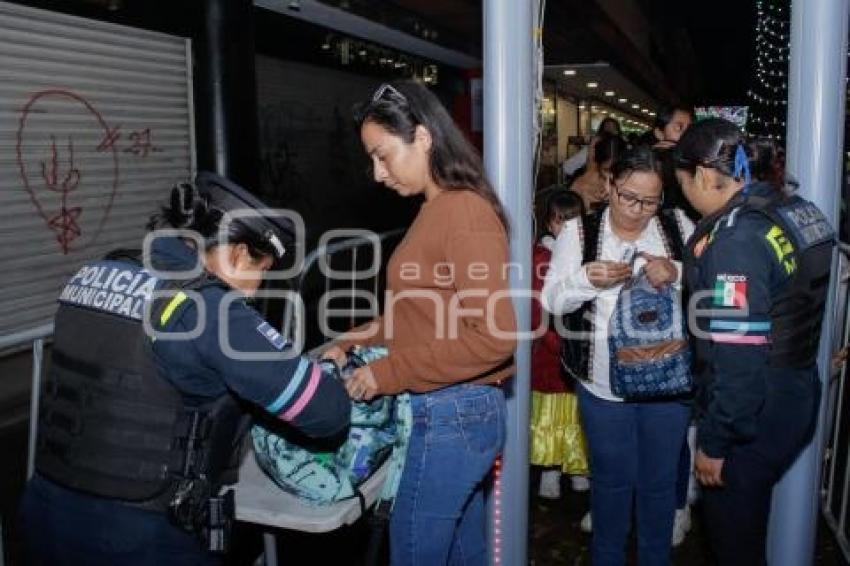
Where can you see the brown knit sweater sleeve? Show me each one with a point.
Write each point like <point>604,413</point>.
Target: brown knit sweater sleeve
<point>479,332</point>
<point>367,334</point>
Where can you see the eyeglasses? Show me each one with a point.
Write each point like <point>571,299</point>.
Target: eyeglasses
<point>388,92</point>
<point>631,200</point>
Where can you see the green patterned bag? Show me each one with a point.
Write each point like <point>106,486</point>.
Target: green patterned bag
<point>379,430</point>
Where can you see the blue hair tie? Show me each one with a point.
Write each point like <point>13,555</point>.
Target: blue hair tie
<point>742,164</point>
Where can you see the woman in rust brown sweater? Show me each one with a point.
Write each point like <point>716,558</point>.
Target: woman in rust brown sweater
<point>448,322</point>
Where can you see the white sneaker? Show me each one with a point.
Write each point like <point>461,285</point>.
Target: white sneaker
<point>681,525</point>
<point>693,490</point>
<point>550,484</point>
<point>693,484</point>
<point>586,524</point>
<point>580,483</point>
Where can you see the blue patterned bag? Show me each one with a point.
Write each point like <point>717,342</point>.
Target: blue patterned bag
<point>649,353</point>
<point>321,475</point>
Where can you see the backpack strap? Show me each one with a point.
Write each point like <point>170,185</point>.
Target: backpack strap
<point>671,231</point>
<point>386,501</point>
<point>576,356</point>
<point>589,233</point>
<point>404,424</point>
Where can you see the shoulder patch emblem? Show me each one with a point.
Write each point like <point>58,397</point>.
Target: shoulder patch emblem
<point>730,290</point>
<point>808,221</point>
<point>274,337</point>
<point>782,248</point>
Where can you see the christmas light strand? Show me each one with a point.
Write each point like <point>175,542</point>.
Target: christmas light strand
<point>768,93</point>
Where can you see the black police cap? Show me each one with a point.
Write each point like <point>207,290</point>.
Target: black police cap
<point>228,196</point>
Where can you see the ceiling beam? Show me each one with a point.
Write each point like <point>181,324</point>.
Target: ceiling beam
<point>343,21</point>
<point>608,43</point>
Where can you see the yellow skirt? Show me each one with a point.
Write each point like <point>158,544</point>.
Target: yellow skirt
<point>556,435</point>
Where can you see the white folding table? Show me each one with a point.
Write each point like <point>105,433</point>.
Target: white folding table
<point>260,501</point>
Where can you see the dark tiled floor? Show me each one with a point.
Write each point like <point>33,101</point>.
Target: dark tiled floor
<point>557,540</point>
<point>13,447</point>
<point>555,537</point>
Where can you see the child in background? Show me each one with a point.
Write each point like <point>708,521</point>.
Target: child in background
<point>557,442</point>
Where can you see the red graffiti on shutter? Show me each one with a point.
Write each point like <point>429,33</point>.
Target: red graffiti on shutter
<point>49,164</point>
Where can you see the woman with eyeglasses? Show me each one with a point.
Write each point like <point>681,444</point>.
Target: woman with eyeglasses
<point>634,446</point>
<point>758,269</point>
<point>448,322</point>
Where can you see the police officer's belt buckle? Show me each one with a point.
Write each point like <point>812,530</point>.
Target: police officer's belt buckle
<point>219,522</point>
<point>209,517</point>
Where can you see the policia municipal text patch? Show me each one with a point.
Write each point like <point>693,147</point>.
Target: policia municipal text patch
<point>111,287</point>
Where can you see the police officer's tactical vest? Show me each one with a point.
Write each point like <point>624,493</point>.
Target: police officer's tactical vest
<point>576,349</point>
<point>802,240</point>
<point>110,424</point>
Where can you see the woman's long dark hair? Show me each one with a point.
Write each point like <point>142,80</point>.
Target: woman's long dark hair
<point>454,163</point>
<point>608,148</point>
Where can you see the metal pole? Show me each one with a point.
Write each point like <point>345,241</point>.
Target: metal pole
<point>270,549</point>
<point>35,396</point>
<point>815,150</point>
<point>508,157</point>
<point>225,94</point>
<point>25,337</point>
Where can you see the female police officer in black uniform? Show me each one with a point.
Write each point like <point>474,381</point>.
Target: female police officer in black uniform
<point>141,418</point>
<point>758,271</point>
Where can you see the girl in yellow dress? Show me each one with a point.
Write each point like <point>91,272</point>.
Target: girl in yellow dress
<point>557,442</point>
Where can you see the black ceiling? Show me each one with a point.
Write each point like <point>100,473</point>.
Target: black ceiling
<point>722,34</point>
<point>700,52</point>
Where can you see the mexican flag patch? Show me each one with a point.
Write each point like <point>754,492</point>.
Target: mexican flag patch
<point>730,290</point>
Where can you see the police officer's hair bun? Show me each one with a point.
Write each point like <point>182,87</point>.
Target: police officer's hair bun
<point>714,143</point>
<point>187,209</point>
<point>710,143</point>
<point>182,200</point>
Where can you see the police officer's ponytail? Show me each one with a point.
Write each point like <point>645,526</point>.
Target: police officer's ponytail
<point>187,210</point>
<point>185,206</point>
<point>721,145</point>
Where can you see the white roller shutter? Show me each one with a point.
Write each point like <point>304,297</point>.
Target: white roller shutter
<point>95,125</point>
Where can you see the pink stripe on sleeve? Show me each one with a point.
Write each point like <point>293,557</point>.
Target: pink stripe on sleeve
<point>308,393</point>
<point>732,338</point>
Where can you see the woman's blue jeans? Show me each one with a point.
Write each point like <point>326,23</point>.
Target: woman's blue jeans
<point>439,515</point>
<point>634,456</point>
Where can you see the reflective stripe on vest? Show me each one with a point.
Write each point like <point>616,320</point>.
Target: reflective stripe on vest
<point>172,305</point>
